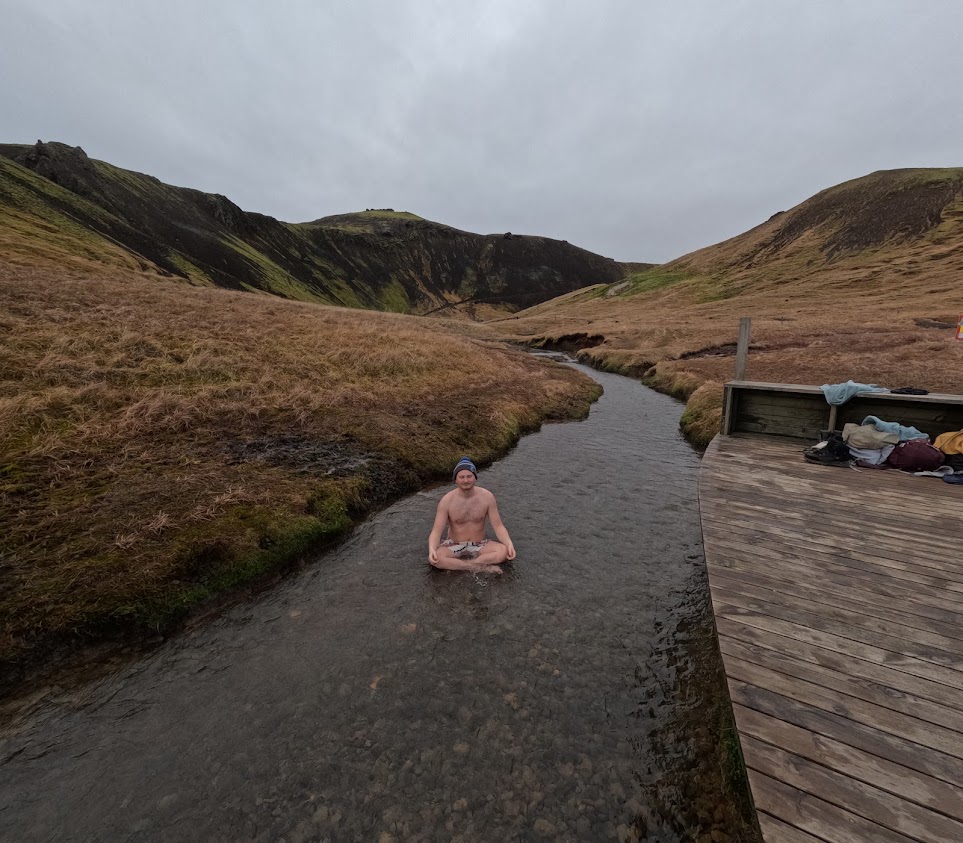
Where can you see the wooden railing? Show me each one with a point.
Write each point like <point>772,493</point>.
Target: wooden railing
<point>798,411</point>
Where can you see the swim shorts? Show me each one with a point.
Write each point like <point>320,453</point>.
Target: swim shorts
<point>465,550</point>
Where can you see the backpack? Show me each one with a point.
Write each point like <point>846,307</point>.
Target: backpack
<point>915,455</point>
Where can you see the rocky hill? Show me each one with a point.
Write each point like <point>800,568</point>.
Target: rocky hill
<point>860,281</point>
<point>59,206</point>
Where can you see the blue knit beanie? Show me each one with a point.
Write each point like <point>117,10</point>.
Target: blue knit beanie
<point>464,463</point>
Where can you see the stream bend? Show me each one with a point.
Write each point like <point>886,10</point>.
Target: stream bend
<point>579,696</point>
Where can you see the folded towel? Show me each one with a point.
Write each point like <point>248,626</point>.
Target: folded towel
<point>840,393</point>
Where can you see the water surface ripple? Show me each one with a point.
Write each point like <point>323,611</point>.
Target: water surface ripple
<point>579,696</point>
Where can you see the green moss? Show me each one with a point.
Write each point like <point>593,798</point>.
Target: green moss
<point>138,183</point>
<point>12,478</point>
<point>194,273</point>
<point>934,175</point>
<point>238,547</point>
<point>360,222</point>
<point>276,279</point>
<point>389,215</point>
<point>34,193</point>
<point>393,298</point>
<point>41,212</point>
<point>469,284</point>
<point>648,280</point>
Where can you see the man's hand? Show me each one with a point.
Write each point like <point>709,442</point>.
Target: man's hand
<point>433,555</point>
<point>511,550</point>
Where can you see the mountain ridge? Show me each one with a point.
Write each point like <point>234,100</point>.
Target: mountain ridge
<point>377,259</point>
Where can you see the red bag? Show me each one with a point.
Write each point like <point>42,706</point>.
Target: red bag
<point>915,455</point>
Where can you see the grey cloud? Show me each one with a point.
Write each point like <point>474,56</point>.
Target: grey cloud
<point>638,130</point>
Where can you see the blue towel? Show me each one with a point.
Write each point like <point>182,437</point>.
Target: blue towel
<point>902,432</point>
<point>840,393</point>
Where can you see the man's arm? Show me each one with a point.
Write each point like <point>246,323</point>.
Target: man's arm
<point>434,537</point>
<point>501,532</point>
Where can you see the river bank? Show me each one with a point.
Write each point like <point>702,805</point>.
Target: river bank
<point>580,695</point>
<point>165,448</point>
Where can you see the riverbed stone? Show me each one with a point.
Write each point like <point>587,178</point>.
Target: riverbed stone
<point>625,834</point>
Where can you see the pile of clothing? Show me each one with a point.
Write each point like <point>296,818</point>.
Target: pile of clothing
<point>881,444</point>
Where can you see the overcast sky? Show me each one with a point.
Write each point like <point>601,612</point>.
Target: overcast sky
<point>639,130</point>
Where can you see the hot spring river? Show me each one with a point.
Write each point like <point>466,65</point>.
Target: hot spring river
<point>579,696</point>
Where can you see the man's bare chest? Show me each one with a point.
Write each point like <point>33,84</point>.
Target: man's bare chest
<point>467,512</point>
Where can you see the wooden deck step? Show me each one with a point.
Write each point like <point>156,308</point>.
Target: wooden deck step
<point>838,598</point>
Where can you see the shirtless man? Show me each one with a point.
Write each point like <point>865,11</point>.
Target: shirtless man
<point>464,511</point>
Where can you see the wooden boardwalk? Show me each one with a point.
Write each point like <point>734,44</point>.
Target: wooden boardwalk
<point>838,597</point>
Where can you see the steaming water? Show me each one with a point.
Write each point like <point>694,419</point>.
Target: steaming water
<point>579,696</point>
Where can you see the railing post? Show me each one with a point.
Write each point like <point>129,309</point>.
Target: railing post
<point>742,348</point>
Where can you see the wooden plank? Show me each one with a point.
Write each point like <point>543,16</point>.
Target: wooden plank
<point>784,401</point>
<point>742,347</point>
<point>890,534</point>
<point>883,561</point>
<point>886,634</point>
<point>842,643</point>
<point>909,784</point>
<point>874,692</point>
<point>862,603</point>
<point>950,398</point>
<point>844,498</point>
<point>810,389</point>
<point>822,819</point>
<point>823,563</point>
<point>727,410</point>
<point>913,599</point>
<point>880,563</point>
<point>887,809</point>
<point>875,741</point>
<point>763,465</point>
<point>734,632</point>
<point>775,830</point>
<point>896,533</point>
<point>933,663</point>
<point>776,428</point>
<point>892,722</point>
<point>945,623</point>
<point>801,388</point>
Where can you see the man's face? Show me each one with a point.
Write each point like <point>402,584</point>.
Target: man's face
<point>464,479</point>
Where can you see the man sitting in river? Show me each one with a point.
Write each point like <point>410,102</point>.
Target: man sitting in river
<point>464,510</point>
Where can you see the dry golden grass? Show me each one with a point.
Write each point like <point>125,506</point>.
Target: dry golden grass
<point>160,442</point>
<point>872,316</point>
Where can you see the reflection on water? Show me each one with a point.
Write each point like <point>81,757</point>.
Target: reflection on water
<point>578,697</point>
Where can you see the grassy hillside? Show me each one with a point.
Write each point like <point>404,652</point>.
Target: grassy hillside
<point>161,443</point>
<point>378,259</point>
<point>861,281</point>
